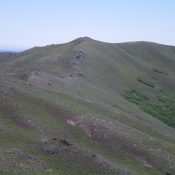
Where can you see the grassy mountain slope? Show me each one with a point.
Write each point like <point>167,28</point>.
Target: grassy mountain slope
<point>6,56</point>
<point>64,109</point>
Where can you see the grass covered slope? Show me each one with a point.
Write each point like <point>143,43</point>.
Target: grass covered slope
<point>88,107</point>
<point>6,56</point>
<point>164,111</point>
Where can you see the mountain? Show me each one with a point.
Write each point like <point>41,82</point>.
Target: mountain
<point>88,108</point>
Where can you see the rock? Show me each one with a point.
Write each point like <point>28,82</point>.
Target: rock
<point>65,142</point>
<point>25,76</point>
<point>71,122</point>
<point>93,155</point>
<point>80,56</point>
<point>170,171</point>
<point>44,141</point>
<point>52,151</point>
<point>29,121</point>
<point>80,74</point>
<point>167,173</point>
<point>37,73</point>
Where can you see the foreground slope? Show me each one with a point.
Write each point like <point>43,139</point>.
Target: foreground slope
<point>75,108</point>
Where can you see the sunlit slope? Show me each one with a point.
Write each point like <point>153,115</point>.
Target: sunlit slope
<point>77,108</point>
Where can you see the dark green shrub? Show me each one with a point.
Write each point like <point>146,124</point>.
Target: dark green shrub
<point>160,71</point>
<point>146,81</point>
<point>164,111</point>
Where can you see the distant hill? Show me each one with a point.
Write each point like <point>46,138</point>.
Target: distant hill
<point>6,56</point>
<point>88,107</point>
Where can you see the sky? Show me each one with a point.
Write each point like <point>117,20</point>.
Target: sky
<point>25,24</point>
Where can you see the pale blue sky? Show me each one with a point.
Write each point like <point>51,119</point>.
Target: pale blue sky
<point>28,23</point>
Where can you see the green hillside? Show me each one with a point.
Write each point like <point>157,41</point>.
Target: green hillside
<point>6,56</point>
<point>88,108</point>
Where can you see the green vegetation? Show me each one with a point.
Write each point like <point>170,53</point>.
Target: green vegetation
<point>160,71</point>
<point>164,111</point>
<point>44,101</point>
<point>146,81</point>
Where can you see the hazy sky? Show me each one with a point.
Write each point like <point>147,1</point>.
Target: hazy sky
<point>28,23</point>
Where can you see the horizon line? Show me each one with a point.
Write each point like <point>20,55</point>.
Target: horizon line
<point>23,48</point>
